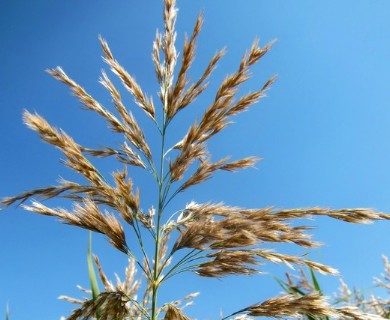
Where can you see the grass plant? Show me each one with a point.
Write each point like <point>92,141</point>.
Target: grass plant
<point>214,239</point>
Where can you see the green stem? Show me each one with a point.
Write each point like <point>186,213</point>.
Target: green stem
<point>161,192</point>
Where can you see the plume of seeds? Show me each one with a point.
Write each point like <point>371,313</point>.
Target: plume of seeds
<point>182,98</point>
<point>292,306</point>
<point>126,202</point>
<point>111,305</point>
<point>76,160</point>
<point>129,126</point>
<point>87,216</point>
<point>127,288</point>
<point>66,189</point>
<point>216,116</point>
<point>235,234</point>
<point>187,59</point>
<point>356,314</point>
<point>174,313</point>
<point>87,100</point>
<point>206,169</point>
<point>166,43</point>
<point>128,81</point>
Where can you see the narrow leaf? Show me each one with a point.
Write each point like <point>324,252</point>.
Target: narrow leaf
<point>315,281</point>
<point>91,273</point>
<point>283,284</point>
<point>7,313</point>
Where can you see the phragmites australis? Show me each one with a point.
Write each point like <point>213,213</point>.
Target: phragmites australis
<point>209,239</point>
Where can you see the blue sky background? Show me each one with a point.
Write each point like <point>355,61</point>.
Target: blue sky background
<point>323,132</point>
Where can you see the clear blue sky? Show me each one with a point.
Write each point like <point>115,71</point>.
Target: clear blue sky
<point>323,131</point>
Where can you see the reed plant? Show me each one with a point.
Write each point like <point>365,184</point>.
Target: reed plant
<point>208,239</point>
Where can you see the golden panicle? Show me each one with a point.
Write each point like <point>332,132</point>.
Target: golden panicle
<point>71,300</point>
<point>226,262</point>
<point>217,114</point>
<point>358,215</point>
<point>297,260</point>
<point>126,201</point>
<point>100,153</point>
<point>198,234</point>
<point>128,81</point>
<point>223,262</point>
<point>240,164</point>
<point>255,53</point>
<point>87,216</point>
<point>354,313</point>
<point>182,79</point>
<point>292,306</point>
<point>321,268</point>
<point>128,156</point>
<point>128,286</point>
<point>131,129</point>
<point>250,99</point>
<point>66,189</point>
<point>206,169</point>
<point>203,172</point>
<point>238,239</point>
<point>174,313</point>
<point>111,305</point>
<point>158,67</point>
<point>66,144</point>
<point>125,155</point>
<point>217,227</point>
<point>237,228</point>
<point>168,45</point>
<point>126,115</point>
<point>223,102</point>
<point>195,89</point>
<point>184,160</point>
<point>87,100</point>
<point>206,210</point>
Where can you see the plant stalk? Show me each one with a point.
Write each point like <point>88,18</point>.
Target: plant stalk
<point>161,191</point>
